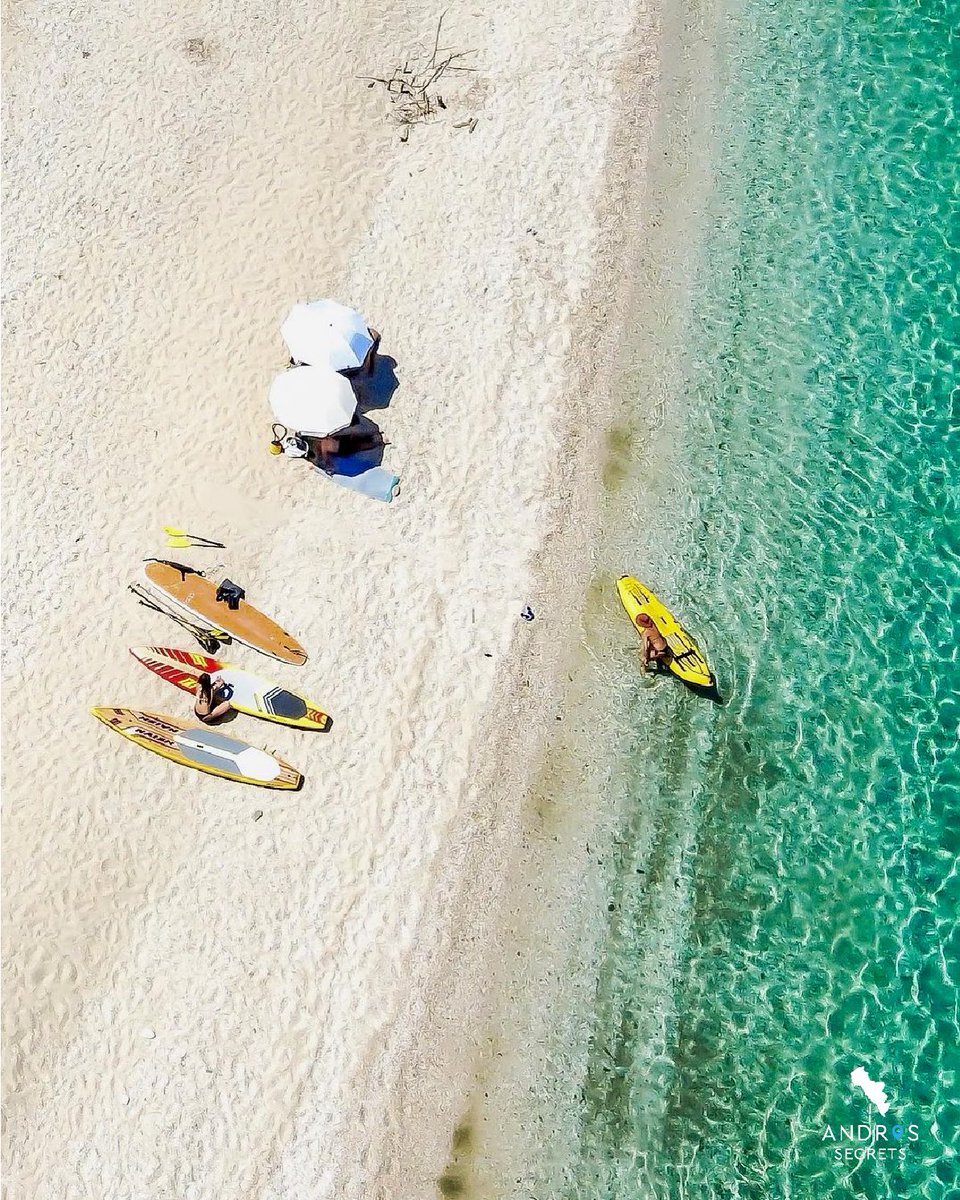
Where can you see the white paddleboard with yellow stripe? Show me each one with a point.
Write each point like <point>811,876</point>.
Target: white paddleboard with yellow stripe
<point>248,693</point>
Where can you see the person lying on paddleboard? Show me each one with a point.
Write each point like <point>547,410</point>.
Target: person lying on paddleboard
<point>654,651</point>
<point>213,699</point>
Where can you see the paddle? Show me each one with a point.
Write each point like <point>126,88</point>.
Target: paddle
<point>182,540</point>
<point>209,639</point>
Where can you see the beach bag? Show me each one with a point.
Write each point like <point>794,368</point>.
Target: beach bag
<point>231,594</point>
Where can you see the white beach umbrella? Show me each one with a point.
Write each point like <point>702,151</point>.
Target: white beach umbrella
<point>312,400</point>
<point>325,333</point>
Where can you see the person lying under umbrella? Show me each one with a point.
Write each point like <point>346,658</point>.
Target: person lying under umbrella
<point>321,451</point>
<point>354,440</point>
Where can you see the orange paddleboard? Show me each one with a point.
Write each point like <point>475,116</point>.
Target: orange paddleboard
<point>198,596</point>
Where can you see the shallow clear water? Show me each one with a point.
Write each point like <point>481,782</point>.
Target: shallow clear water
<point>787,888</point>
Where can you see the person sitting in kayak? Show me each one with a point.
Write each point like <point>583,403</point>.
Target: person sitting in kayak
<point>213,699</point>
<point>655,651</point>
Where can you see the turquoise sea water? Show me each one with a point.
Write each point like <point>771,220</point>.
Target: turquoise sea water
<point>787,890</point>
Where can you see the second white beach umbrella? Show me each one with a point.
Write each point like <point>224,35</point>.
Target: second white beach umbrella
<point>312,400</point>
<point>325,333</point>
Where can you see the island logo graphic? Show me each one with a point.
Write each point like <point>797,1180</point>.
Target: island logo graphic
<point>876,1093</point>
<point>869,1141</point>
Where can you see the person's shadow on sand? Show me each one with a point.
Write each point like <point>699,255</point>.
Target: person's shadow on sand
<point>376,391</point>
<point>228,718</point>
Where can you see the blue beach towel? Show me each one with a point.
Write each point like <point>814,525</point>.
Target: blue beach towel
<point>356,472</point>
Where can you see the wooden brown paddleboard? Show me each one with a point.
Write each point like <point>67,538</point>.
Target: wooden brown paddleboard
<point>197,596</point>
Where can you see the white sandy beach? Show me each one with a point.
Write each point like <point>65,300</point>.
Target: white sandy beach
<point>198,1004</point>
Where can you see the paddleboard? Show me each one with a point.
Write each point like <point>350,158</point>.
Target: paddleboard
<point>688,662</point>
<point>248,693</point>
<point>196,595</point>
<point>200,747</point>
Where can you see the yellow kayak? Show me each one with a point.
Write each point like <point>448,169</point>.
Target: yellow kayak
<point>688,662</point>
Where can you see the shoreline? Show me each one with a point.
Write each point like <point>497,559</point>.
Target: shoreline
<point>437,1062</point>
<point>519,1133</point>
<point>273,962</point>
<point>512,816</point>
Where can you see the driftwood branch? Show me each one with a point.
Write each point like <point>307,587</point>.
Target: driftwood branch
<point>412,87</point>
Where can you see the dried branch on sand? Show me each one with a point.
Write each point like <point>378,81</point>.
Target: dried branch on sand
<point>412,87</point>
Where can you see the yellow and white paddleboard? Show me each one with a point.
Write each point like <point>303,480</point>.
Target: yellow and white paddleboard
<point>201,747</point>
<point>688,662</point>
<point>248,693</point>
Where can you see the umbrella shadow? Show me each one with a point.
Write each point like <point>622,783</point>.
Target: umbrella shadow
<point>361,460</point>
<point>376,391</point>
